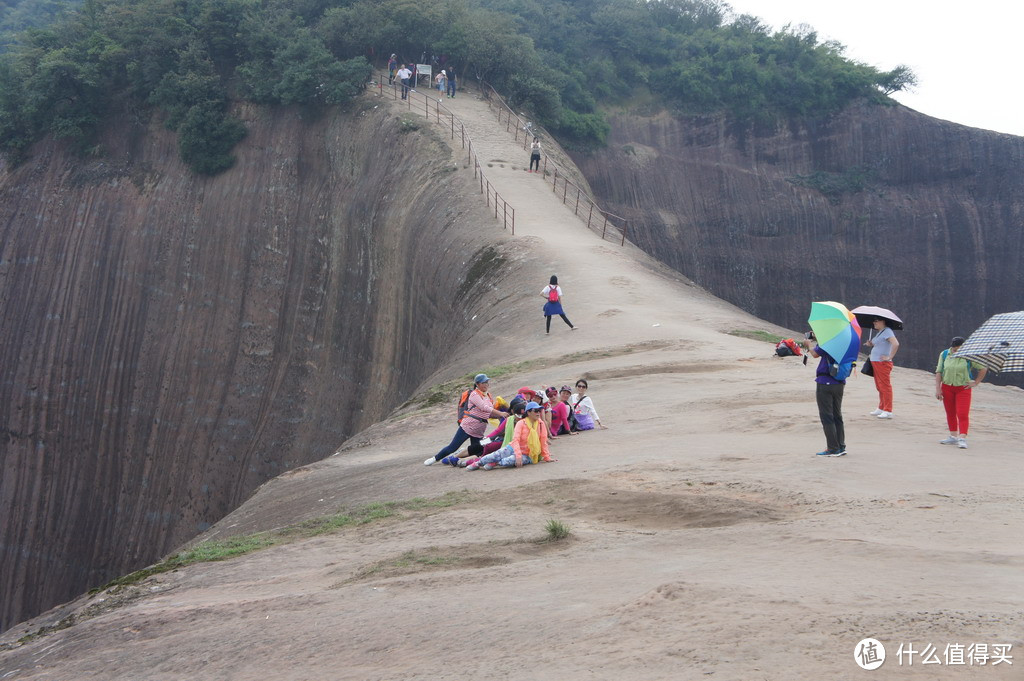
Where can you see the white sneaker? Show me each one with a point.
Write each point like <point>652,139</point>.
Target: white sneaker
<point>950,441</point>
<point>885,415</point>
<point>430,462</point>
<point>962,443</point>
<point>876,412</point>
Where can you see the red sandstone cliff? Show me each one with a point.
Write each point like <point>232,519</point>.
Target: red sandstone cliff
<point>877,205</point>
<point>170,342</point>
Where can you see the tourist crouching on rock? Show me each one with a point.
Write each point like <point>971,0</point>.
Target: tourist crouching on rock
<point>529,444</point>
<point>479,408</point>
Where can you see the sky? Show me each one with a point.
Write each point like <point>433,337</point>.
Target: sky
<point>967,55</point>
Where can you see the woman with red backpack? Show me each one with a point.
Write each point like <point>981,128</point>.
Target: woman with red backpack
<point>553,294</point>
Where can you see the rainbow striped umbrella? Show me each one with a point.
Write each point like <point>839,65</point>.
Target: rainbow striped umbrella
<point>836,330</point>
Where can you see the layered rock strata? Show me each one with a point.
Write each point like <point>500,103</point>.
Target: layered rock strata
<point>170,342</point>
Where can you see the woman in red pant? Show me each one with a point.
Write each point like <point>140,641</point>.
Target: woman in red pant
<point>954,378</point>
<point>883,348</point>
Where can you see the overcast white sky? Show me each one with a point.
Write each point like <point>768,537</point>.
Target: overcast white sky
<point>967,54</point>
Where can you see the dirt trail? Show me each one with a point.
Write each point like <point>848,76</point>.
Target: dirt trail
<point>707,539</point>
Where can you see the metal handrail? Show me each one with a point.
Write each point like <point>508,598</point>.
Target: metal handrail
<point>501,206</point>
<point>581,195</point>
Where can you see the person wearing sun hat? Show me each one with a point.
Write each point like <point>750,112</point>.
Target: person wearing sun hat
<point>479,408</point>
<point>529,444</point>
<point>954,378</point>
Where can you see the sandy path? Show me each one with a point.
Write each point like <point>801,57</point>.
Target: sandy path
<point>708,541</point>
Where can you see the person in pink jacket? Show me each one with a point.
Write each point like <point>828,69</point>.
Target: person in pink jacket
<point>529,444</point>
<point>560,412</point>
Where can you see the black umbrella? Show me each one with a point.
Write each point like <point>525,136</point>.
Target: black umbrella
<point>866,315</point>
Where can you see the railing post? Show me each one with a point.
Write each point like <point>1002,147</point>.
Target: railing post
<point>504,215</point>
<point>426,107</point>
<point>605,228</point>
<point>463,128</point>
<point>624,228</point>
<point>488,193</point>
<point>554,182</point>
<point>453,126</point>
<point>496,204</point>
<point>577,210</point>
<point>565,191</point>
<point>513,220</point>
<point>590,215</point>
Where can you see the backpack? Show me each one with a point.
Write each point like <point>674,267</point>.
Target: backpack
<point>841,371</point>
<point>942,365</point>
<point>787,348</point>
<point>463,404</point>
<point>552,294</point>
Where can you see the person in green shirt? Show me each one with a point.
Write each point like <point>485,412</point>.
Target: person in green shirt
<point>954,378</point>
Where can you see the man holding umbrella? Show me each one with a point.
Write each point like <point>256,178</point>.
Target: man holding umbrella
<point>834,340</point>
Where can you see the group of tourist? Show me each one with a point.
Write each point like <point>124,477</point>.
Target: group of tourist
<point>406,75</point>
<point>954,379</point>
<point>527,425</point>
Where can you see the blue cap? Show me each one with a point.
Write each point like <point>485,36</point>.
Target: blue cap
<point>530,406</point>
<point>481,378</point>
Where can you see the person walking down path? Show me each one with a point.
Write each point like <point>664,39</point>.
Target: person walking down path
<point>829,396</point>
<point>479,408</point>
<point>442,81</point>
<point>883,348</point>
<point>403,75</point>
<point>552,293</point>
<point>451,82</point>
<point>534,156</point>
<point>392,67</point>
<point>954,378</point>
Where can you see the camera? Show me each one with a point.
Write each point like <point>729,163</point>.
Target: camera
<point>810,335</point>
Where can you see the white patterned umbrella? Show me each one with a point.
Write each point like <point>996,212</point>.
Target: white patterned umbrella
<point>998,343</point>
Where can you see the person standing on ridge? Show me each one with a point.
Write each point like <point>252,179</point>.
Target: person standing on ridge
<point>829,396</point>
<point>403,76</point>
<point>552,293</point>
<point>883,348</point>
<point>534,155</point>
<point>451,81</point>
<point>954,378</point>
<point>392,67</point>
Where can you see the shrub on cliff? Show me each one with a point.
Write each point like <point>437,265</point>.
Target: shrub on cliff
<point>558,58</point>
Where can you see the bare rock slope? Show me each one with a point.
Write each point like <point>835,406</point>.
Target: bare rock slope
<point>171,342</point>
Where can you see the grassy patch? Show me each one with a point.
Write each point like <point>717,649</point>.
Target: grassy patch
<point>756,334</point>
<point>408,123</point>
<point>448,392</point>
<point>247,543</point>
<point>556,530</point>
<point>836,185</point>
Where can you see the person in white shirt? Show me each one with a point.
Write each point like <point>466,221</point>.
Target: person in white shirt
<point>583,407</point>
<point>403,75</point>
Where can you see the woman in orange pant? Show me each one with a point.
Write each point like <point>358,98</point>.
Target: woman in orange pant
<point>883,348</point>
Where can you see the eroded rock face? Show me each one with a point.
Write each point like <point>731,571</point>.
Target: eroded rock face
<point>170,342</point>
<point>877,206</point>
